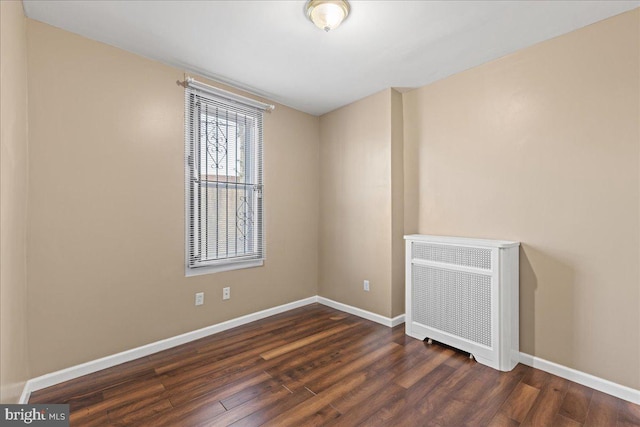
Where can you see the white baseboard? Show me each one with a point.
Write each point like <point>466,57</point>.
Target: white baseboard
<point>623,392</point>
<point>90,367</point>
<point>44,381</point>
<point>386,321</point>
<point>67,374</point>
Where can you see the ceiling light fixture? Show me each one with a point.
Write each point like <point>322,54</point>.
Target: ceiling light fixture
<point>327,14</point>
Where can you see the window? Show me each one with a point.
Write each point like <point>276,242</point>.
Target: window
<point>224,190</point>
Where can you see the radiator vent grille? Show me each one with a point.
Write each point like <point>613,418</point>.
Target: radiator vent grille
<point>455,302</point>
<point>456,255</point>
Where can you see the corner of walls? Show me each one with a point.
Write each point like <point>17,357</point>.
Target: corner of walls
<point>14,369</point>
<point>397,205</point>
<point>638,206</point>
<point>361,204</point>
<point>411,168</point>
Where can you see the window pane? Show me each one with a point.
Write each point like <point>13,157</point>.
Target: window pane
<point>228,219</point>
<point>223,144</point>
<point>224,181</point>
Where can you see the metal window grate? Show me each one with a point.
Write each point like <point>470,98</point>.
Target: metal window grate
<point>224,180</point>
<point>455,302</point>
<point>456,255</point>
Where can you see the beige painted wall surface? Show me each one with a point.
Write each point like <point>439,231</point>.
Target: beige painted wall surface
<point>106,228</point>
<point>542,147</point>
<point>355,204</point>
<point>13,201</point>
<point>397,208</point>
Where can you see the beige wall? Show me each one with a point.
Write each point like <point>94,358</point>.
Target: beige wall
<point>543,147</point>
<point>397,205</point>
<point>13,201</point>
<point>356,202</point>
<point>106,225</point>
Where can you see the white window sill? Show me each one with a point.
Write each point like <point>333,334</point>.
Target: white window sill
<point>199,271</point>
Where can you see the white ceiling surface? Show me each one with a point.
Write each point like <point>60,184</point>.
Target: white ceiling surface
<point>271,49</point>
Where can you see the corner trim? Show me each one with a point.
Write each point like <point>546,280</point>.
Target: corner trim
<point>623,392</point>
<point>92,366</point>
<point>386,321</point>
<point>26,394</point>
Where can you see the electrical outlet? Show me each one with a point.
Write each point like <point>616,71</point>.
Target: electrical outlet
<point>200,298</point>
<point>366,285</point>
<point>226,293</point>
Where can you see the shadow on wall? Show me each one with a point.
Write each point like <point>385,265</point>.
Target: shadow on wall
<point>546,306</point>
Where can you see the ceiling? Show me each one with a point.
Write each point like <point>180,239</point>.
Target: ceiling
<point>270,48</point>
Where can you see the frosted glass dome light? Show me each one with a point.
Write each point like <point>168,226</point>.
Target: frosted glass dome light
<point>327,14</point>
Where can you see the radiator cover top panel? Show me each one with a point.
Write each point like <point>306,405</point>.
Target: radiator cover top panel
<point>455,302</point>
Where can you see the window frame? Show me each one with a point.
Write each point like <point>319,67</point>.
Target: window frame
<point>252,110</point>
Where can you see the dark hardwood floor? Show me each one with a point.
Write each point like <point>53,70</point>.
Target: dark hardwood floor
<point>319,366</point>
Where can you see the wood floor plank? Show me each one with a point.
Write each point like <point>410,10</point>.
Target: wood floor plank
<point>220,349</point>
<point>221,390</point>
<point>98,381</point>
<point>548,403</point>
<point>198,359</point>
<point>97,420</point>
<point>501,420</point>
<point>130,387</point>
<point>397,407</point>
<point>394,363</point>
<point>450,414</point>
<point>79,401</point>
<point>122,412</point>
<point>562,421</point>
<point>437,397</point>
<point>216,367</point>
<point>295,415</point>
<point>321,417</point>
<point>279,351</point>
<point>536,378</point>
<point>318,366</point>
<point>248,393</point>
<point>277,325</point>
<point>359,397</point>
<point>189,416</point>
<point>322,383</point>
<point>298,372</point>
<point>433,402</point>
<point>322,353</point>
<point>413,355</point>
<point>365,414</point>
<point>271,411</point>
<point>129,417</point>
<point>628,414</point>
<point>498,391</point>
<point>455,409</point>
<point>576,403</point>
<point>411,377</point>
<point>520,402</point>
<point>603,410</point>
<point>249,407</point>
<point>120,400</point>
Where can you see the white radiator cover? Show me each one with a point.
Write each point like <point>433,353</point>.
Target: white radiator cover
<point>465,293</point>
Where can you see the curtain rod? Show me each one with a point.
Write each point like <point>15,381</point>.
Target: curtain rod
<point>191,82</point>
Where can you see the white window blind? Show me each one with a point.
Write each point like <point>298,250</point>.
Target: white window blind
<point>224,189</point>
